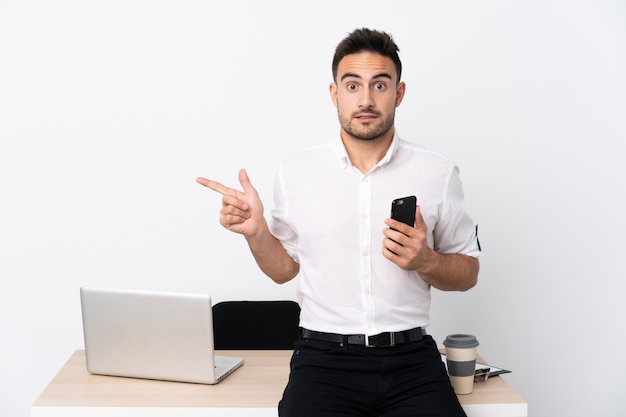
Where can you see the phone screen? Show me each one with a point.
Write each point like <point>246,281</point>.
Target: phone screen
<point>403,209</point>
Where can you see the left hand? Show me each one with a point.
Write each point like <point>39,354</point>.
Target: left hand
<point>404,245</point>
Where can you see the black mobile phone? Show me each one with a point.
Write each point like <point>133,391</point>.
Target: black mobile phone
<point>403,209</point>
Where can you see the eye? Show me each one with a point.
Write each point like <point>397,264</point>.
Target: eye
<point>351,86</point>
<point>379,86</point>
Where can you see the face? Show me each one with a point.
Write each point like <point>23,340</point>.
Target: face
<point>366,94</point>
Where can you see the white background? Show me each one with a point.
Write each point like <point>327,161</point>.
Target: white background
<point>109,110</point>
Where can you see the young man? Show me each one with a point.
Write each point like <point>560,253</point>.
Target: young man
<point>364,279</point>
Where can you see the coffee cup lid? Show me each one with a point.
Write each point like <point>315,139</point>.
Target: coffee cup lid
<point>460,341</point>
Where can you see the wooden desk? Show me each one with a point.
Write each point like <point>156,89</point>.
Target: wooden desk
<point>252,390</point>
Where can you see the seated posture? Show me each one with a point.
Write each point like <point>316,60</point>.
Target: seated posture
<point>364,279</point>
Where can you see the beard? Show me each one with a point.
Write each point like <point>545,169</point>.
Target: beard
<point>369,131</point>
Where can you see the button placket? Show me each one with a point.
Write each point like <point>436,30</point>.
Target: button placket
<point>365,198</point>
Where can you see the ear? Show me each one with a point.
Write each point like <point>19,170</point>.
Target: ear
<point>400,90</point>
<point>333,93</point>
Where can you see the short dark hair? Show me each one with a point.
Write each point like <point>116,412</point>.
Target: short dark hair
<point>367,40</point>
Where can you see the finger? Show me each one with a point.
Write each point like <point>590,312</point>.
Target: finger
<point>215,186</point>
<point>244,180</point>
<point>231,200</point>
<point>419,220</point>
<point>392,250</point>
<point>394,237</point>
<point>392,245</point>
<point>398,226</point>
<point>232,215</point>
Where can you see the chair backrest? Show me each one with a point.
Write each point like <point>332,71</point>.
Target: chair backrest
<point>259,325</point>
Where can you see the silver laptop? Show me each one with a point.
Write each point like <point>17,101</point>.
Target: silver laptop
<point>153,335</point>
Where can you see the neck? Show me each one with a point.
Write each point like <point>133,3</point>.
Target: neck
<point>364,154</point>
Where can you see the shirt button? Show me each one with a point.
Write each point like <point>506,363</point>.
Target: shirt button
<point>366,253</point>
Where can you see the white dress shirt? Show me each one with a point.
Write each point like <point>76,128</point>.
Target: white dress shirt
<point>329,216</point>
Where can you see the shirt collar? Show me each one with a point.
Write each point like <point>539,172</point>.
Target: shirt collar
<point>342,154</point>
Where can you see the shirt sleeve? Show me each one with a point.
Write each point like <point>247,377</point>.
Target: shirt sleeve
<point>279,225</point>
<point>455,231</point>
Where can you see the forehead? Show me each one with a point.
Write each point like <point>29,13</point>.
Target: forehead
<point>366,65</point>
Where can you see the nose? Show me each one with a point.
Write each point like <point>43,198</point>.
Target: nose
<point>365,99</point>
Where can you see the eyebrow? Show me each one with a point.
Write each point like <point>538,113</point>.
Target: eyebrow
<point>354,75</point>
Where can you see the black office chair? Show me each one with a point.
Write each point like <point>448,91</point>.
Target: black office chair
<point>261,325</point>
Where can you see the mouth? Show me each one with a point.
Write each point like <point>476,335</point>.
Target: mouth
<point>366,117</point>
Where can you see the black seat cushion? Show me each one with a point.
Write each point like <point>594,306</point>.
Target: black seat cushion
<point>255,324</point>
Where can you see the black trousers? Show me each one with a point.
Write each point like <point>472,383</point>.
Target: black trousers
<point>332,379</point>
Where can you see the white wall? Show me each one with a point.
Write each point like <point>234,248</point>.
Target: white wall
<point>110,109</point>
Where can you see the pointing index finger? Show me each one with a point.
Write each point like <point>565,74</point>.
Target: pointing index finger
<point>215,186</point>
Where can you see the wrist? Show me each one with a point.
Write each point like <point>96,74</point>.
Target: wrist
<point>258,234</point>
<point>429,263</point>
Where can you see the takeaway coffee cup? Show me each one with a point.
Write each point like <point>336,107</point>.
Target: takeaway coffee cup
<point>461,361</point>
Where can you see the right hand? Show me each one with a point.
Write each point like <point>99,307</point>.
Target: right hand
<point>242,212</point>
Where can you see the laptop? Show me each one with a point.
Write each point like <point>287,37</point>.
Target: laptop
<point>152,335</point>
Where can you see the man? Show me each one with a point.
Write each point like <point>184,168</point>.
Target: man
<point>364,279</point>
